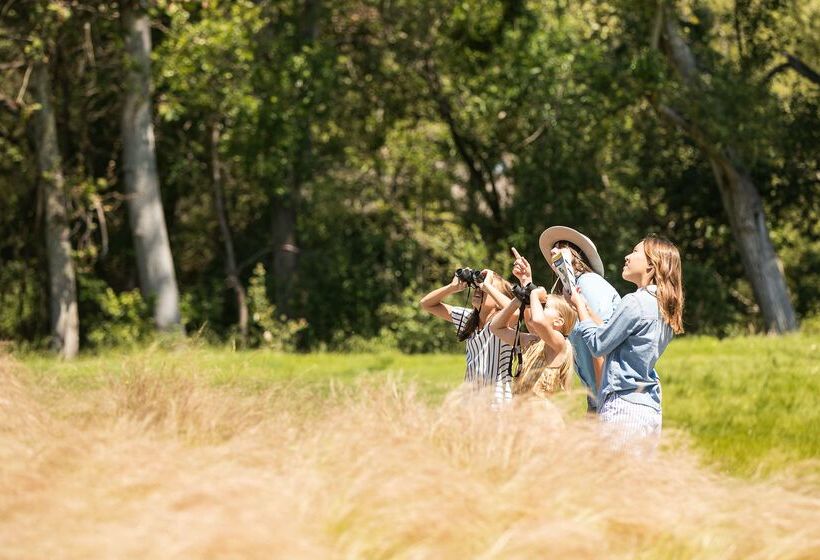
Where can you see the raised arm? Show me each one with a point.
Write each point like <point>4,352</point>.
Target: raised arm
<point>432,302</point>
<point>585,312</point>
<point>543,324</point>
<point>521,268</point>
<point>500,323</point>
<point>489,288</point>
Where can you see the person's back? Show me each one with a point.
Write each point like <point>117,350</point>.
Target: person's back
<point>586,269</point>
<point>603,299</point>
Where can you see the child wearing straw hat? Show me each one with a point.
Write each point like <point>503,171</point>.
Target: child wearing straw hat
<point>587,269</point>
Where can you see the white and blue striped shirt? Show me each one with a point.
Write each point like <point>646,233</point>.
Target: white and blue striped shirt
<point>488,357</point>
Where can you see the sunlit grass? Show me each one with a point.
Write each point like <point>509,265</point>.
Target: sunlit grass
<point>749,405</point>
<point>199,453</point>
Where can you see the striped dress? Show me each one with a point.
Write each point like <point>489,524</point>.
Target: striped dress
<point>488,358</point>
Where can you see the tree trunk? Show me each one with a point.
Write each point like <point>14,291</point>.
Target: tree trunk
<point>740,197</point>
<point>748,222</point>
<point>153,251</point>
<point>231,269</point>
<point>285,252</point>
<point>285,206</point>
<point>65,323</point>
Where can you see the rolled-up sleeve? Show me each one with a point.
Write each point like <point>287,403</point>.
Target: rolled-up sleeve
<point>602,339</point>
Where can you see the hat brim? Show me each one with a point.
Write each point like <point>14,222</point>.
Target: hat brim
<point>554,234</point>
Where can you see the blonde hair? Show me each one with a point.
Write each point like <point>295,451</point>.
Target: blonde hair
<point>567,313</point>
<point>536,376</point>
<point>663,256</point>
<point>503,286</point>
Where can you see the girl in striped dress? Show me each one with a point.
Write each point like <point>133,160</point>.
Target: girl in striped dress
<point>488,357</point>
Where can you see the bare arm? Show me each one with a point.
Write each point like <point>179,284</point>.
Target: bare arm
<point>432,302</point>
<point>500,323</point>
<point>582,307</point>
<point>598,366</point>
<point>489,288</point>
<point>543,325</point>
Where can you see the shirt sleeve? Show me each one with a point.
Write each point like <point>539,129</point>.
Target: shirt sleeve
<point>602,339</point>
<point>459,315</point>
<point>600,295</point>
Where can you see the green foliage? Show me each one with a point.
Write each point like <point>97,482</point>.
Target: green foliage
<point>113,319</point>
<point>415,331</point>
<point>405,139</point>
<point>270,329</point>
<point>19,300</point>
<point>747,402</point>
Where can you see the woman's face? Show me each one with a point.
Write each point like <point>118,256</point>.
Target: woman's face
<point>635,265</point>
<point>478,298</point>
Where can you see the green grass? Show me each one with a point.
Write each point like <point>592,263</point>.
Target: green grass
<point>749,405</point>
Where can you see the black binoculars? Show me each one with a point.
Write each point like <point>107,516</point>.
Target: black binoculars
<point>471,277</point>
<point>523,293</point>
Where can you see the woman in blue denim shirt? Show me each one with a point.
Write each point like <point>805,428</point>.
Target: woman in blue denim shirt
<point>634,338</point>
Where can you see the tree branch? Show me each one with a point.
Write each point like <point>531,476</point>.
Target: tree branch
<point>797,65</point>
<point>673,117</point>
<point>24,85</point>
<point>657,27</point>
<point>10,104</point>
<point>479,171</point>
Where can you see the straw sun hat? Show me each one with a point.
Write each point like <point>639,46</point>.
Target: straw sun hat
<point>554,234</point>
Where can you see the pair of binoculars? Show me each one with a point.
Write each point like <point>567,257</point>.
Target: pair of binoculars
<point>471,277</point>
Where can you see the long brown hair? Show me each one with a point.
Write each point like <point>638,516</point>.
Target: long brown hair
<point>580,263</point>
<point>471,324</point>
<point>663,256</point>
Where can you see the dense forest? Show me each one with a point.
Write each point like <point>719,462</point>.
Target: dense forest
<point>296,174</point>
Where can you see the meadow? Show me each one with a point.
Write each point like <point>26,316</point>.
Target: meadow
<point>204,452</point>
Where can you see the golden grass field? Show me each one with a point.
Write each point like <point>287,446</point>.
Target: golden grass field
<point>142,464</point>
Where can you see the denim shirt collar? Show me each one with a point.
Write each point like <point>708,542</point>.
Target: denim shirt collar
<point>652,289</point>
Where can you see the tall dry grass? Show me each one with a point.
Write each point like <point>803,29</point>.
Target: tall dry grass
<point>166,466</point>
